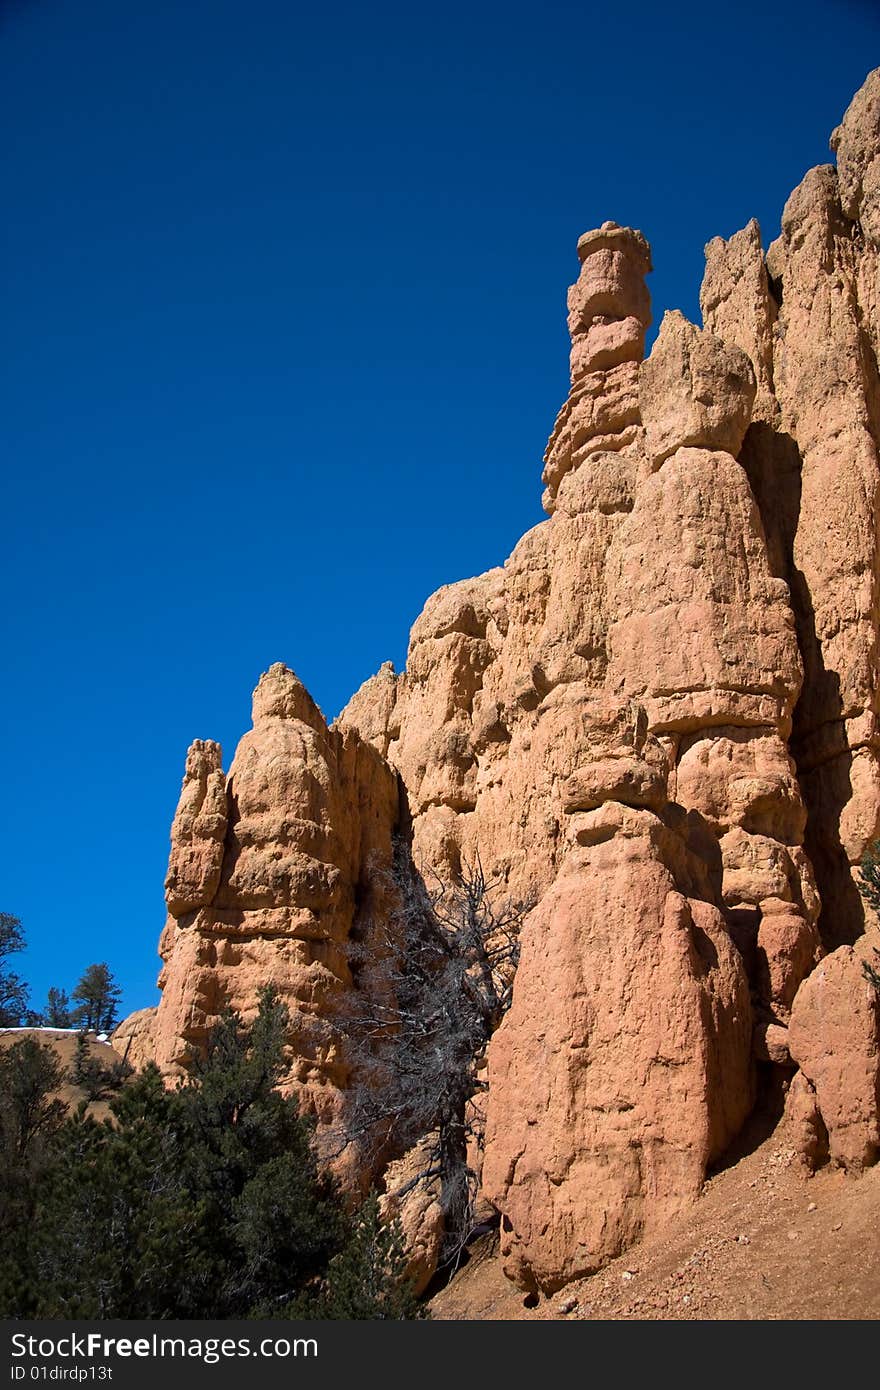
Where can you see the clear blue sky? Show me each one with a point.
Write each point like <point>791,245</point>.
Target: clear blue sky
<point>283,304</point>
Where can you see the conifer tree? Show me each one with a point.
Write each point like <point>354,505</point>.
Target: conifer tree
<point>367,1279</point>
<point>30,1118</point>
<point>13,990</point>
<point>201,1201</point>
<point>98,997</point>
<point>58,1012</point>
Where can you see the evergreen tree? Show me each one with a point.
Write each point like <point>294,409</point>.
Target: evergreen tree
<point>30,1074</point>
<point>117,1234</point>
<point>80,1059</point>
<point>274,1219</point>
<point>91,1074</point>
<point>30,1118</point>
<point>367,1279</point>
<point>13,990</point>
<point>98,997</point>
<point>203,1201</point>
<point>58,1012</point>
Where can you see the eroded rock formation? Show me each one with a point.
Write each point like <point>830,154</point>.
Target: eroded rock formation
<point>271,870</point>
<point>835,1039</point>
<point>658,720</point>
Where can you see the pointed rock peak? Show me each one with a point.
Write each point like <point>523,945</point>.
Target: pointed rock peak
<point>203,756</point>
<point>747,240</point>
<point>676,341</point>
<point>674,321</point>
<point>695,391</point>
<point>856,142</point>
<point>280,694</point>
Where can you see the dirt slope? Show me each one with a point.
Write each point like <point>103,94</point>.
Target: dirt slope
<point>63,1041</point>
<point>765,1241</point>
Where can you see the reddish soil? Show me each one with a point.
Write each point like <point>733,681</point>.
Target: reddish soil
<point>765,1241</point>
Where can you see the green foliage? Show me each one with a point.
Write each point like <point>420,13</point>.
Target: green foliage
<point>30,1120</point>
<point>204,1201</point>
<point>870,891</point>
<point>367,1279</point>
<point>94,1076</point>
<point>58,1012</point>
<point>274,1219</point>
<point>13,990</point>
<point>80,1059</point>
<point>98,998</point>
<point>29,1075</point>
<point>115,1227</point>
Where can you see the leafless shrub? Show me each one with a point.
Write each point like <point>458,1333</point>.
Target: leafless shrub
<point>435,978</point>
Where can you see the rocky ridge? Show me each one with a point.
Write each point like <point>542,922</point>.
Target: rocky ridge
<point>658,719</point>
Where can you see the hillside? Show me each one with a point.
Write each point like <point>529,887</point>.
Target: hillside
<point>764,1241</point>
<point>63,1043</point>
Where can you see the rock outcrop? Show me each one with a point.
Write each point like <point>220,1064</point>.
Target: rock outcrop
<point>658,720</point>
<point>834,1037</point>
<point>134,1039</point>
<point>272,868</point>
<point>808,315</point>
<point>623,1066</point>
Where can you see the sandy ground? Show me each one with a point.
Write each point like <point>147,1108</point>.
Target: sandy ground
<point>64,1043</point>
<point>765,1241</point>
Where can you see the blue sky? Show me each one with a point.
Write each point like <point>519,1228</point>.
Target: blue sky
<point>283,305</point>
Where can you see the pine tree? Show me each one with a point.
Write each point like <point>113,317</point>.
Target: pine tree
<point>275,1220</point>
<point>30,1118</point>
<point>80,1059</point>
<point>202,1201</point>
<point>98,997</point>
<point>117,1232</point>
<point>367,1279</point>
<point>13,990</point>
<point>91,1075</point>
<point>58,1013</point>
<point>30,1074</point>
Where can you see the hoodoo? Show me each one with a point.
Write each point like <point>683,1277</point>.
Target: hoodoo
<point>657,722</point>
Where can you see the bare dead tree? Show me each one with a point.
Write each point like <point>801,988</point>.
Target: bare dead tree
<point>435,980</point>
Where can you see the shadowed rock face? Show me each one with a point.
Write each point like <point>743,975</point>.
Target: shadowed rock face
<point>809,316</point>
<point>658,718</point>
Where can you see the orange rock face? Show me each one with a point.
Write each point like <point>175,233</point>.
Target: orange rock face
<point>134,1038</point>
<point>809,315</point>
<point>834,1036</point>
<point>658,720</point>
<point>624,1065</point>
<point>271,869</point>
